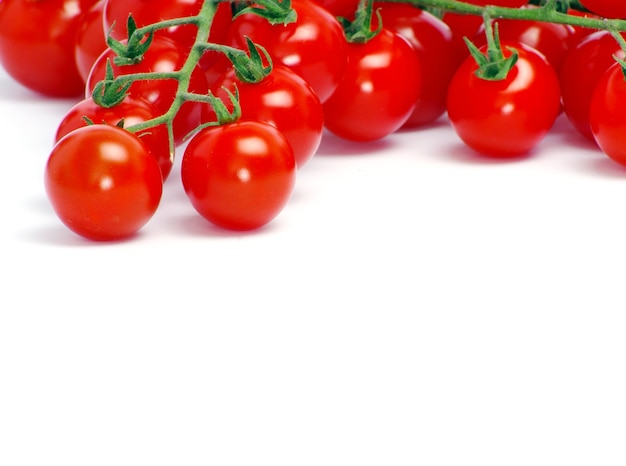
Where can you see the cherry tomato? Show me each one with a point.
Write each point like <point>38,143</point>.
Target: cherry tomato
<point>314,46</point>
<point>606,8</point>
<point>37,45</point>
<point>128,113</point>
<point>582,68</point>
<point>606,114</point>
<point>102,183</point>
<point>90,40</point>
<point>163,56</point>
<point>378,91</point>
<point>282,99</point>
<point>432,40</point>
<point>506,117</point>
<point>239,176</point>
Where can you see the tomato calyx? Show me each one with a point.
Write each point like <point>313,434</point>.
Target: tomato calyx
<point>133,50</point>
<point>359,30</point>
<point>110,92</point>
<point>274,11</point>
<point>250,66</point>
<point>493,65</point>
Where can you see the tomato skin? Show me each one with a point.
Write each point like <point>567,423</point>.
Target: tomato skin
<point>580,72</point>
<point>343,8</point>
<point>37,45</point>
<point>90,40</point>
<point>509,117</point>
<point>432,41</point>
<point>130,112</point>
<point>239,176</point>
<point>606,8</point>
<point>102,183</point>
<point>606,114</point>
<point>314,46</point>
<point>378,91</point>
<point>164,55</point>
<point>284,100</point>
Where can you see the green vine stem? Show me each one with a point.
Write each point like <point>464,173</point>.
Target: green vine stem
<point>546,13</point>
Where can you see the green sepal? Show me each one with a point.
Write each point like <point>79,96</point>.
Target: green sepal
<point>250,68</point>
<point>109,92</point>
<point>359,30</point>
<point>493,66</point>
<point>133,50</point>
<point>274,11</point>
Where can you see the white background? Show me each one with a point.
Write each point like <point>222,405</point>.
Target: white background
<point>413,305</point>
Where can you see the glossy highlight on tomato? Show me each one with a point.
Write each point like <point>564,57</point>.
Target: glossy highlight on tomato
<point>102,182</point>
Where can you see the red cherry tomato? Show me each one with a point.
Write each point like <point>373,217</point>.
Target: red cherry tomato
<point>130,112</point>
<point>37,45</point>
<point>606,8</point>
<point>432,40</point>
<point>314,46</point>
<point>284,100</point>
<point>239,176</point>
<point>102,183</point>
<point>582,68</point>
<point>606,114</point>
<point>507,117</point>
<point>90,40</point>
<point>163,56</point>
<point>378,91</point>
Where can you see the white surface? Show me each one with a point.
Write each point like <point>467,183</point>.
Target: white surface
<point>413,305</point>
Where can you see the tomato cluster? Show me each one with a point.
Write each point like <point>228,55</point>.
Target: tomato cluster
<point>252,126</point>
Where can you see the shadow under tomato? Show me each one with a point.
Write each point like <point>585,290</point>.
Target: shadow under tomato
<point>462,153</point>
<point>332,145</point>
<point>196,225</point>
<point>608,168</point>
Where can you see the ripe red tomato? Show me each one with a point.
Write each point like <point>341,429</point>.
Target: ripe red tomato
<point>284,100</point>
<point>607,118</point>
<point>130,112</point>
<point>163,56</point>
<point>582,68</point>
<point>90,40</point>
<point>606,8</point>
<point>378,91</point>
<point>314,46</point>
<point>102,183</point>
<point>507,117</point>
<point>37,45</point>
<point>239,176</point>
<point>432,40</point>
